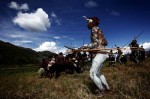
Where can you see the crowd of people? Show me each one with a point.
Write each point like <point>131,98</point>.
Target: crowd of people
<point>79,59</point>
<point>70,63</point>
<point>137,54</point>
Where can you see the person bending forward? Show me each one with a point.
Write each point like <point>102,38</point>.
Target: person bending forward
<point>98,41</point>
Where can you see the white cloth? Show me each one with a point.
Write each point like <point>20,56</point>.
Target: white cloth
<point>95,75</point>
<point>41,71</point>
<point>51,63</point>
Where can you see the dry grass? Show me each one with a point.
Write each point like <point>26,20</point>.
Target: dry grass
<point>126,82</point>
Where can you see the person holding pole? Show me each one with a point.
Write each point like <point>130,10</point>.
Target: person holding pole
<point>98,41</point>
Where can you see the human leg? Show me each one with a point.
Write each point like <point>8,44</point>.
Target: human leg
<point>94,76</point>
<point>95,72</point>
<point>101,76</point>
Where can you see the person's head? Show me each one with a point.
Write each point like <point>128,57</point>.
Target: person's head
<point>60,53</point>
<point>92,21</point>
<point>118,48</point>
<point>111,51</point>
<point>134,41</point>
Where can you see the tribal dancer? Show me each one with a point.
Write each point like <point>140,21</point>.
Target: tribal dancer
<point>98,41</point>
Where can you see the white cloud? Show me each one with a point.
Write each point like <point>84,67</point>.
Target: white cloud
<point>53,14</point>
<point>55,18</point>
<point>50,46</point>
<point>16,6</point>
<point>35,22</point>
<point>24,6</point>
<point>23,41</point>
<point>127,50</point>
<point>91,4</point>
<point>57,37</point>
<point>58,21</point>
<point>146,45</point>
<point>115,13</point>
<point>13,5</point>
<point>17,35</point>
<point>20,42</point>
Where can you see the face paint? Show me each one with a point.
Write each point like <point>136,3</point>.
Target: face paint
<point>90,20</point>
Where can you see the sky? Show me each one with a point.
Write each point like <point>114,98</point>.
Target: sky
<point>52,24</point>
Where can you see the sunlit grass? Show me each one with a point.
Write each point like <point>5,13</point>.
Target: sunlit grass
<point>126,82</point>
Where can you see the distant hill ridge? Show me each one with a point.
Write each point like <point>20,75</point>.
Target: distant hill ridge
<point>12,55</point>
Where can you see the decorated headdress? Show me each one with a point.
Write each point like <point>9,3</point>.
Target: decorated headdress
<point>92,21</point>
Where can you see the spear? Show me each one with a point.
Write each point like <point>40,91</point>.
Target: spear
<point>104,50</point>
<point>134,38</point>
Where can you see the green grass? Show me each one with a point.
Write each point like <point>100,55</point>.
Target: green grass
<point>126,82</point>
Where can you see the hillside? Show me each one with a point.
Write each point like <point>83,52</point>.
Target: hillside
<point>15,55</point>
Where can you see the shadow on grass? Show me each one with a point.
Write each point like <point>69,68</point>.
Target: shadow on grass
<point>92,87</point>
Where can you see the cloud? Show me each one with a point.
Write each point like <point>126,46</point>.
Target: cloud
<point>17,35</point>
<point>34,22</point>
<point>16,6</point>
<point>91,4</point>
<point>21,42</point>
<point>56,37</point>
<point>53,14</point>
<point>50,46</point>
<point>63,37</point>
<point>146,45</point>
<point>127,50</point>
<point>115,13</point>
<point>55,18</point>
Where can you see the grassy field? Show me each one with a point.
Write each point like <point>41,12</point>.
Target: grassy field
<point>126,82</point>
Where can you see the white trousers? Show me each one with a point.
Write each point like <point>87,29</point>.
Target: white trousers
<point>95,75</point>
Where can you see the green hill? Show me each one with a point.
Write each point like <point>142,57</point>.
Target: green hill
<point>15,55</point>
